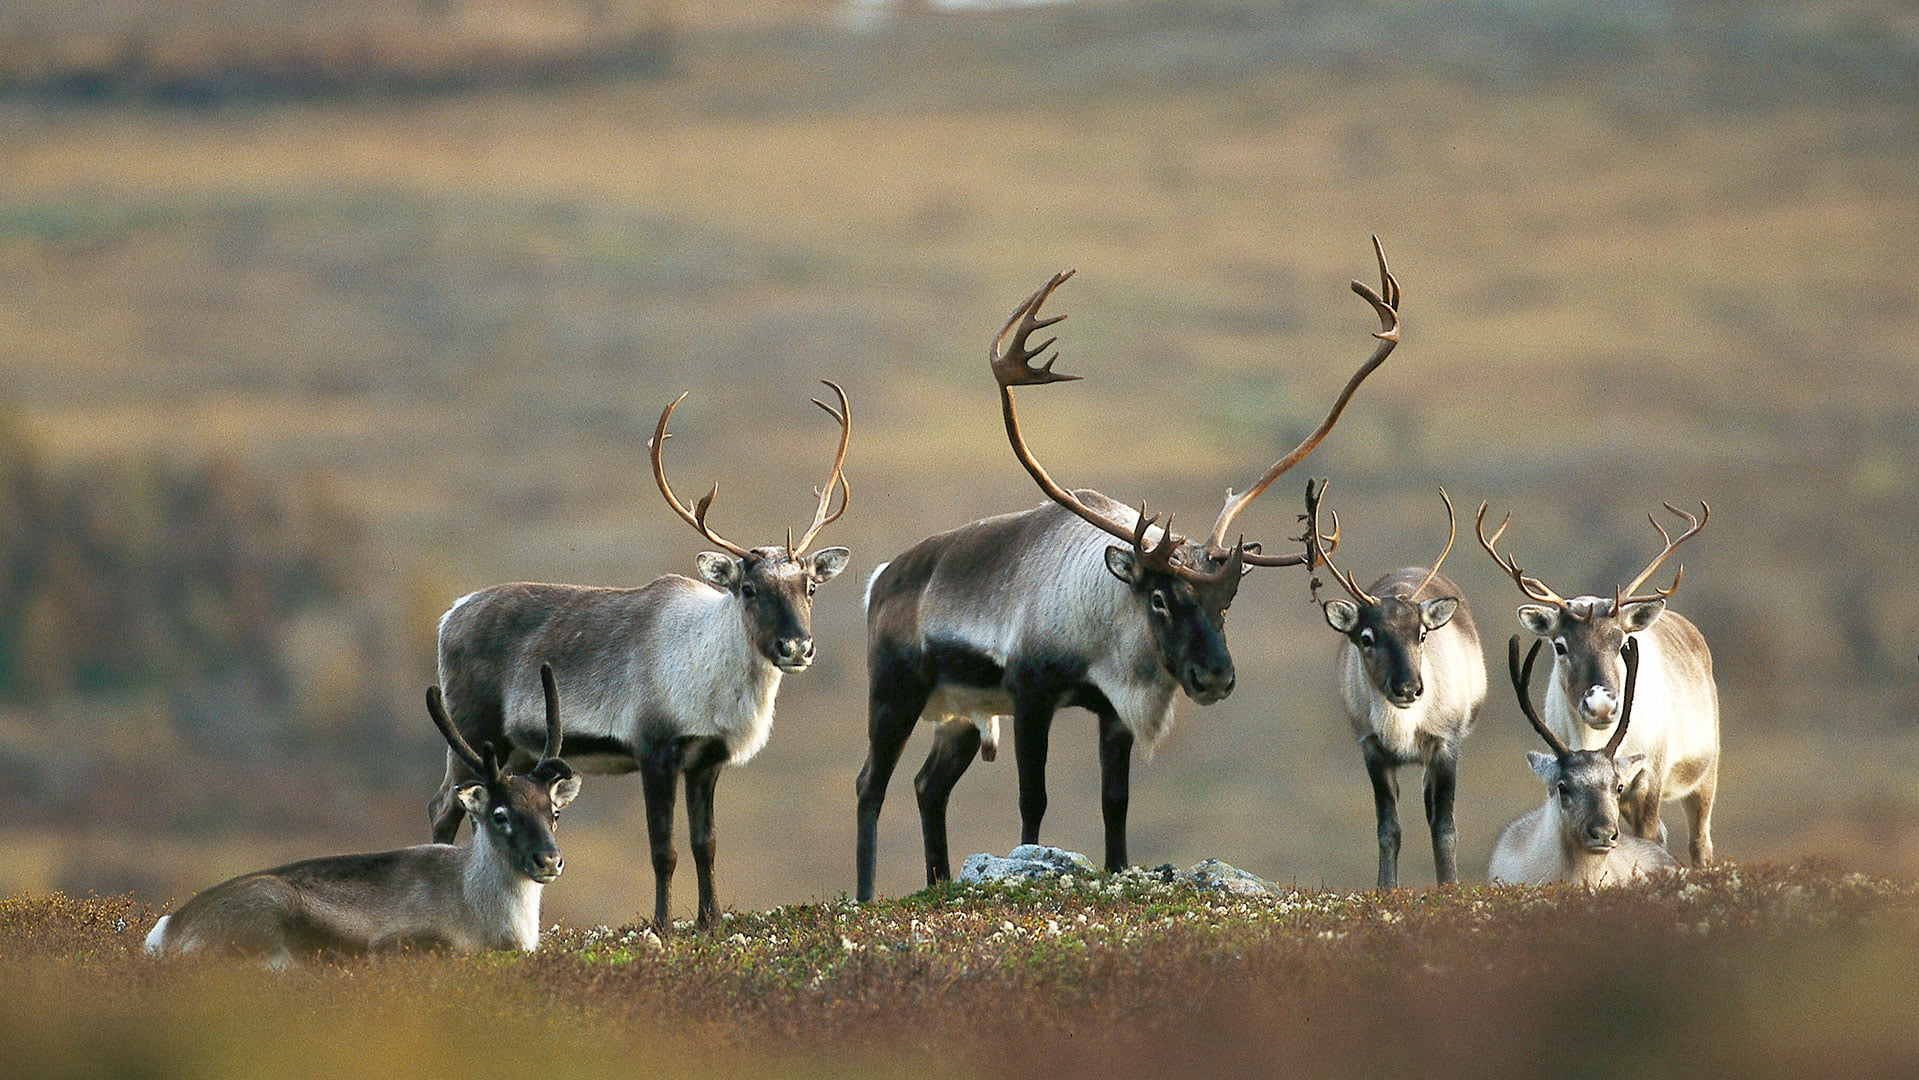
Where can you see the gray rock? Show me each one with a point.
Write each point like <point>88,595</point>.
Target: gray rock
<point>1024,862</point>
<point>1225,877</point>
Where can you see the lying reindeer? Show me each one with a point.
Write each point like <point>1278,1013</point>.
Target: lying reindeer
<point>483,896</point>
<point>1575,835</point>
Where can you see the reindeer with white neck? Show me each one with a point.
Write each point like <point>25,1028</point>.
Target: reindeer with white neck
<point>1678,728</point>
<point>1411,676</point>
<point>1575,836</point>
<point>485,895</point>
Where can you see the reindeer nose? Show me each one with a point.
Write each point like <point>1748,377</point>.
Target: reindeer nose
<point>1407,691</point>
<point>1603,835</point>
<point>1598,705</point>
<point>795,651</point>
<point>549,864</point>
<point>1211,684</point>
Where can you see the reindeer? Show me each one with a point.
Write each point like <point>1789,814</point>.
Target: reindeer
<point>1411,676</point>
<point>676,676</point>
<point>1678,731</point>
<point>485,895</point>
<point>1574,836</point>
<point>1022,614</point>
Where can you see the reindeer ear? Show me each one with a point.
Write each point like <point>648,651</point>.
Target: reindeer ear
<point>1542,620</point>
<point>1638,617</point>
<point>1629,766</point>
<point>826,563</point>
<point>1438,611</point>
<point>473,798</point>
<point>1545,766</point>
<point>1123,563</point>
<point>564,791</point>
<point>721,571</point>
<point>1341,615</point>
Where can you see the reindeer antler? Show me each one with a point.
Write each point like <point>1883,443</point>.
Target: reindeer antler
<point>485,766</point>
<point>1622,596</point>
<point>1531,586</point>
<point>821,519</point>
<point>696,514</point>
<point>1320,545</point>
<point>1522,685</point>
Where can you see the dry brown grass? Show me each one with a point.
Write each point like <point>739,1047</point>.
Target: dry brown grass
<point>1748,971</point>
<point>1641,280</point>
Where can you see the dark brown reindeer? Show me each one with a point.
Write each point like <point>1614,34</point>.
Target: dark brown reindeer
<point>1678,728</point>
<point>675,677</point>
<point>1575,836</point>
<point>485,895</point>
<point>1411,677</point>
<point>1022,614</point>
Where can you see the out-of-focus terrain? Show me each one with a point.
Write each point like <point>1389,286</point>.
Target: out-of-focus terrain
<point>285,370</point>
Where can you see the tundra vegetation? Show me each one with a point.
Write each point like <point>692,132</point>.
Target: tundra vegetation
<point>1657,252</point>
<point>1713,973</point>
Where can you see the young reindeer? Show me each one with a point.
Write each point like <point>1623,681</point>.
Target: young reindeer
<point>1411,676</point>
<point>676,676</point>
<point>1678,729</point>
<point>485,895</point>
<point>1029,612</point>
<point>1574,837</point>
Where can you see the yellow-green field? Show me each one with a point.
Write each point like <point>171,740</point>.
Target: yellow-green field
<point>1643,261</point>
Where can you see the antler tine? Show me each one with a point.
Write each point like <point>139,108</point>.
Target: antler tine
<point>1531,586</point>
<point>1452,532</point>
<point>552,690</point>
<point>1324,554</point>
<point>821,519</point>
<point>1630,651</point>
<point>1624,595</point>
<point>696,516</point>
<point>1387,306</point>
<point>1522,685</point>
<point>436,708</point>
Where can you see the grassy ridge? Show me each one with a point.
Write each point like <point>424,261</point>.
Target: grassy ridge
<point>1751,971</point>
<point>1630,277</point>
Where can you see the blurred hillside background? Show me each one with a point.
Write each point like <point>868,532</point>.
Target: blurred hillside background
<point>315,317</point>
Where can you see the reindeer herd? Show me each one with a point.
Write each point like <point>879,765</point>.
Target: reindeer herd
<point>1010,617</point>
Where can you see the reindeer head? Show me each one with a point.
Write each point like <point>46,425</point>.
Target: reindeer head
<point>1588,633</point>
<point>774,585</point>
<point>1587,784</point>
<point>520,813</point>
<point>1388,631</point>
<point>1186,585</point>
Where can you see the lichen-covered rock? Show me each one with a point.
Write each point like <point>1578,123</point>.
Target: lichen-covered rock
<point>1225,877</point>
<point>1024,862</point>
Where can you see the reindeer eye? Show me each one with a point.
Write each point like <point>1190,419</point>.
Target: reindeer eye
<point>1559,646</point>
<point>747,590</point>
<point>812,587</point>
<point>1565,790</point>
<point>1159,604</point>
<point>1366,639</point>
<point>1622,789</point>
<point>499,816</point>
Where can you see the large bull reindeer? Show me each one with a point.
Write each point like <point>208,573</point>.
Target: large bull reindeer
<point>1677,724</point>
<point>676,676</point>
<point>1022,614</point>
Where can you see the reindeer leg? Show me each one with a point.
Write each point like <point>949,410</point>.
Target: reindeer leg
<point>1032,729</point>
<point>659,775</point>
<point>955,744</point>
<point>1385,776</point>
<point>703,758</point>
<point>1699,815</point>
<point>893,707</point>
<point>1115,784</point>
<point>1442,775</point>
